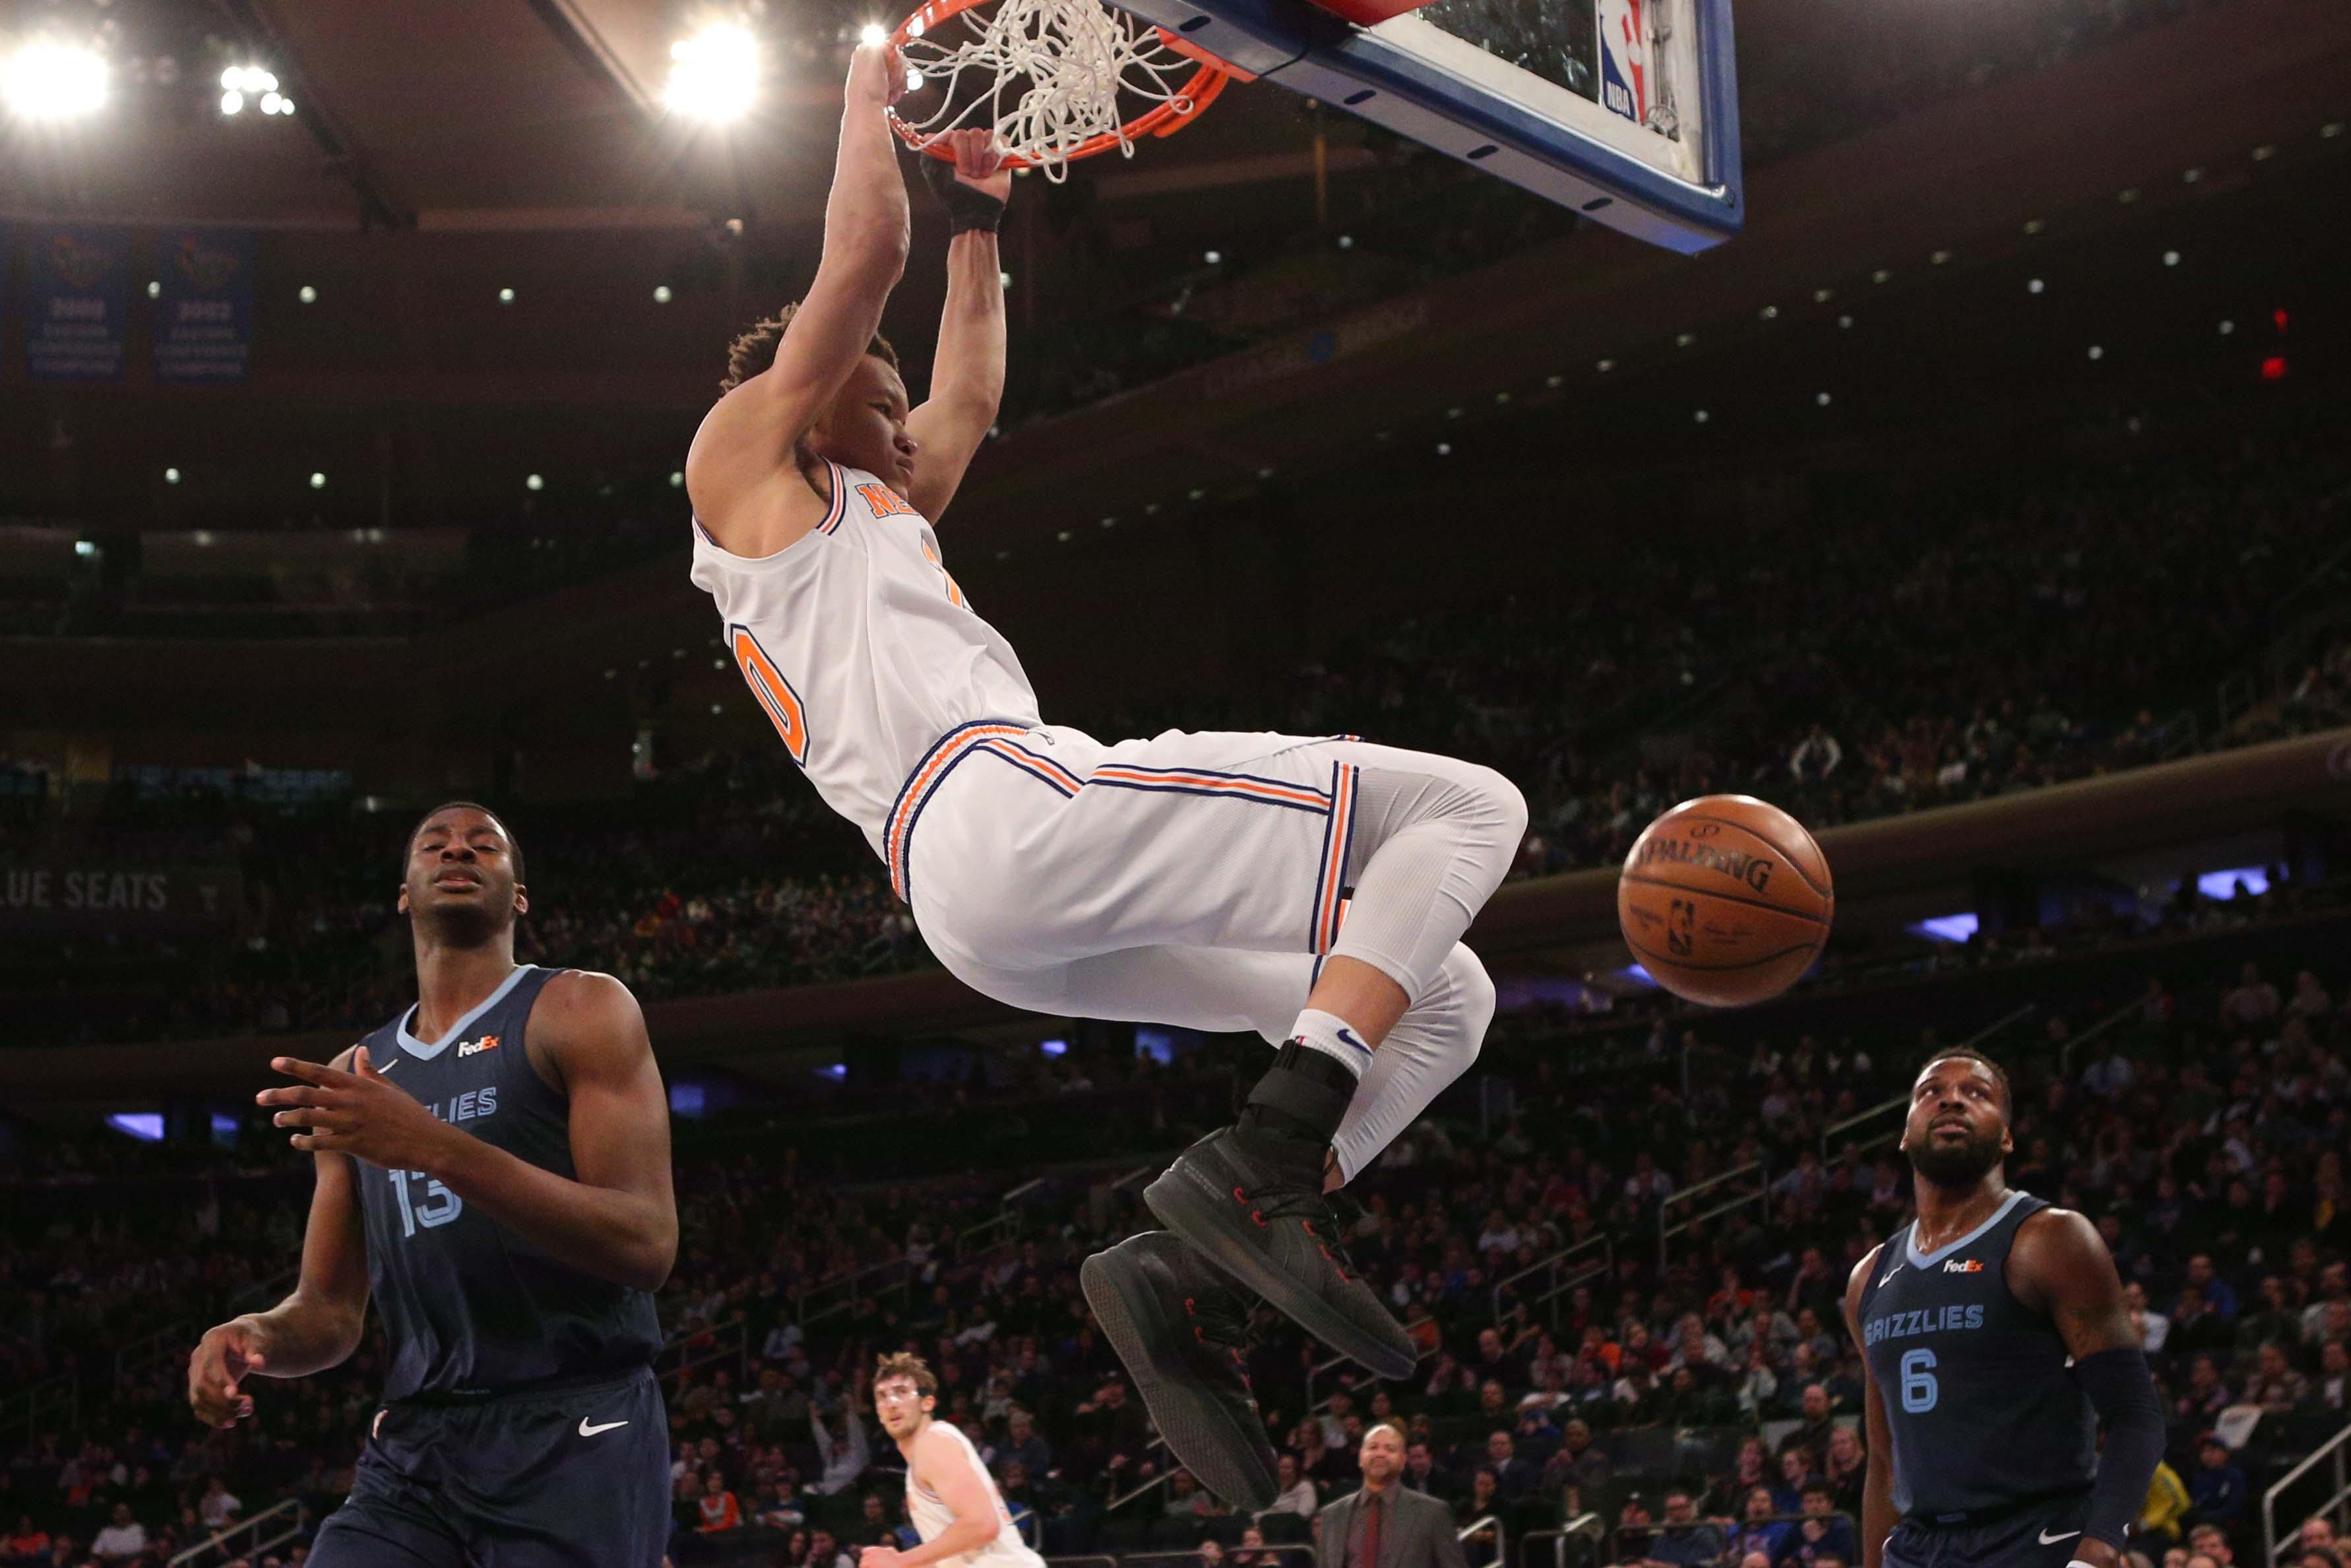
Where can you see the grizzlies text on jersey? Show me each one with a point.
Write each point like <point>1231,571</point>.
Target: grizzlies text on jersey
<point>1981,1399</point>
<point>467,1303</point>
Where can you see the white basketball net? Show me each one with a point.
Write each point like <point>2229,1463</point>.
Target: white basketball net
<point>1047,75</point>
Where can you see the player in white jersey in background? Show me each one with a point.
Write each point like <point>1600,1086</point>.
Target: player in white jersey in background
<point>1195,880</point>
<point>950,1497</point>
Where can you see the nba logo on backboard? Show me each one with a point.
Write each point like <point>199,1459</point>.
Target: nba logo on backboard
<point>1625,59</point>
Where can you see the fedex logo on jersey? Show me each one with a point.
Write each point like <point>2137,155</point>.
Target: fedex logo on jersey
<point>1625,59</point>
<point>1927,1319</point>
<point>476,1047</point>
<point>1964,1266</point>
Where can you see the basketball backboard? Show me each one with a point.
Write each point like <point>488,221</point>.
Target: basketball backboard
<point>1627,110</point>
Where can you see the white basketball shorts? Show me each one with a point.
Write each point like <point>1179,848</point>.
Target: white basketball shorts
<point>1024,851</point>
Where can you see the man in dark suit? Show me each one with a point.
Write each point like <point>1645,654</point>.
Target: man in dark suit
<point>1385,1524</point>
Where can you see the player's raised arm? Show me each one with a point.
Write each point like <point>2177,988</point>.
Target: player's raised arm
<point>968,375</point>
<point>1877,1519</point>
<point>747,444</point>
<point>2059,1265</point>
<point>318,1325</point>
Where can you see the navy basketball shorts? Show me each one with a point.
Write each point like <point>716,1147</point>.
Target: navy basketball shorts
<point>2047,1534</point>
<point>556,1477</point>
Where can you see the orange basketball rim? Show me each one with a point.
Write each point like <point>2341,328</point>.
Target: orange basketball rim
<point>1160,118</point>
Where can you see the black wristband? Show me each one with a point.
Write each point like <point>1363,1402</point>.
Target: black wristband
<point>967,208</point>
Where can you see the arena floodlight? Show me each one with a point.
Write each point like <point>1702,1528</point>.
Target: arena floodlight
<point>873,34</point>
<point>49,80</point>
<point>255,85</point>
<point>714,75</point>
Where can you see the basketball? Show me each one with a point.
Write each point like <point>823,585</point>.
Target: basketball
<point>1725,900</point>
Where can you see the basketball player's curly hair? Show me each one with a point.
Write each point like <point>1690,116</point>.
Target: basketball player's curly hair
<point>1970,1053</point>
<point>755,351</point>
<point>907,1365</point>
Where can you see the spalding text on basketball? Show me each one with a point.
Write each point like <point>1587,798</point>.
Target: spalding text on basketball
<point>1753,870</point>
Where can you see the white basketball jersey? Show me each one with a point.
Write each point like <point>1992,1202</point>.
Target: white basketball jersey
<point>931,1517</point>
<point>860,646</point>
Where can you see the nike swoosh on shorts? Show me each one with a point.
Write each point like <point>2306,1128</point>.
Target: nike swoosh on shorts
<point>588,1431</point>
<point>2049,1539</point>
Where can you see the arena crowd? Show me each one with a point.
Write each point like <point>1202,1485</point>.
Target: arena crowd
<point>1699,1399</point>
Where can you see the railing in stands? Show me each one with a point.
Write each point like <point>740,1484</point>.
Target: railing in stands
<point>2331,1450</point>
<point>1316,1369</point>
<point>729,1341</point>
<point>1559,1283</point>
<point>141,1356</point>
<point>1300,1553</point>
<point>1585,1526</point>
<point>1487,1527</point>
<point>265,1293</point>
<point>137,1359</point>
<point>2119,1016</point>
<point>1899,1106</point>
<point>998,1227</point>
<point>1144,1489</point>
<point>1758,1169</point>
<point>1658,1527</point>
<point>829,1298</point>
<point>29,1404</point>
<point>271,1527</point>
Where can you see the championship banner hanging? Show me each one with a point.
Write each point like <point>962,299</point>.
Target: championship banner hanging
<point>77,290</point>
<point>204,317</point>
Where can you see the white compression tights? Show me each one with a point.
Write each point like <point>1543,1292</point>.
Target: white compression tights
<point>1225,990</point>
<point>1433,838</point>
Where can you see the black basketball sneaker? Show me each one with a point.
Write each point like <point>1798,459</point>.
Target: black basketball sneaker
<point>1178,1326</point>
<point>1253,1201</point>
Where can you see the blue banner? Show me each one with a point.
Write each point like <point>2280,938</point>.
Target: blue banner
<point>203,319</point>
<point>77,288</point>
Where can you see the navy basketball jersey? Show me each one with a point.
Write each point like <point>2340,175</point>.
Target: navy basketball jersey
<point>467,1303</point>
<point>1979,1395</point>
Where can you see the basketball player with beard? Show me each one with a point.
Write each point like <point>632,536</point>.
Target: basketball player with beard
<point>493,1167</point>
<point>1995,1340</point>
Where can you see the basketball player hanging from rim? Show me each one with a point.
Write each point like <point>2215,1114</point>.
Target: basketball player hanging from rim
<point>1195,880</point>
<point>1995,1341</point>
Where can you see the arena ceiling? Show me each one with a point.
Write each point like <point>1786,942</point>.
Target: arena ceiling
<point>485,115</point>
